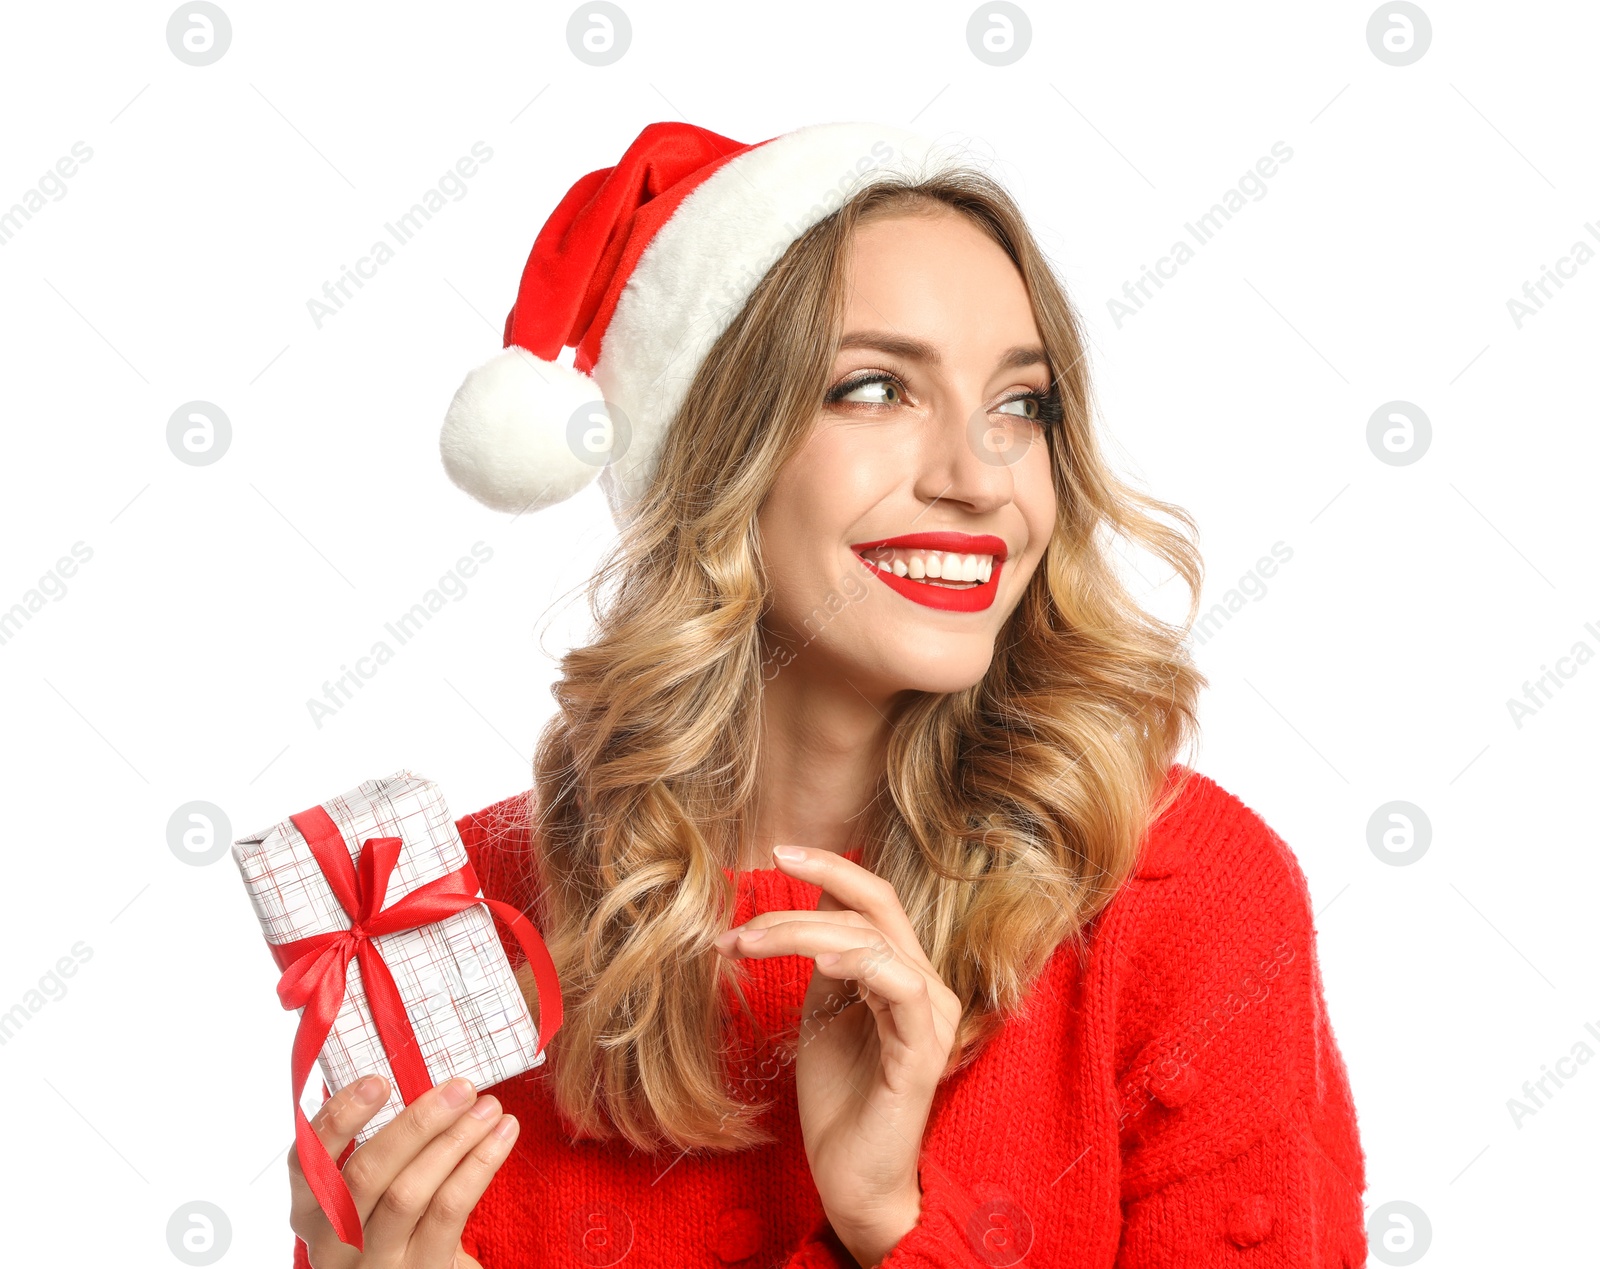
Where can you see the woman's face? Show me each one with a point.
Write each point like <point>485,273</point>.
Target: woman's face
<point>923,432</point>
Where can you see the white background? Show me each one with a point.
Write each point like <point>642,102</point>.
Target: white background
<point>1376,667</point>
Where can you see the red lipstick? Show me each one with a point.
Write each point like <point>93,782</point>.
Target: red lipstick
<point>970,599</point>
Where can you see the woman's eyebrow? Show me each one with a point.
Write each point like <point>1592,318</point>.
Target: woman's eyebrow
<point>919,350</point>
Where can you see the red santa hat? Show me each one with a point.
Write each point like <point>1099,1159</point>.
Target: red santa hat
<point>640,268</point>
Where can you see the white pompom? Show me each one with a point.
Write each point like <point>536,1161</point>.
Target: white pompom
<point>523,433</point>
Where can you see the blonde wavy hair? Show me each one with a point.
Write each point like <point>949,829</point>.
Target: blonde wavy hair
<point>1008,813</point>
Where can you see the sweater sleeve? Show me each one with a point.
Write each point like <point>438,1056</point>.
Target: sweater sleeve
<point>955,1230</point>
<point>820,1249</point>
<point>1238,1132</point>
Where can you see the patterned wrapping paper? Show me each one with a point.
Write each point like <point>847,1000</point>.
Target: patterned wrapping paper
<point>457,986</point>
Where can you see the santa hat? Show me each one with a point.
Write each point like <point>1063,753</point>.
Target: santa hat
<point>640,268</point>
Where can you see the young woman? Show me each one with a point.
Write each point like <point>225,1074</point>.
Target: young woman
<point>890,929</point>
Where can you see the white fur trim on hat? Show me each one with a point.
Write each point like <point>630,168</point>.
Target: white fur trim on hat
<point>523,433</point>
<point>701,266</point>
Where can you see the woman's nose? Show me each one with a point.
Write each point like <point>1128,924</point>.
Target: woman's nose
<point>969,454</point>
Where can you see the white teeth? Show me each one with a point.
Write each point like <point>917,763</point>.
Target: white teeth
<point>945,566</point>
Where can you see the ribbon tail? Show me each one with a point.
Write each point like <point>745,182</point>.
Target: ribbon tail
<point>322,1173</point>
<point>544,968</point>
<point>326,1181</point>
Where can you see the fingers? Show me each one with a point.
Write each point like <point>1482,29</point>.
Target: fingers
<point>854,921</point>
<point>418,1178</point>
<point>901,990</point>
<point>923,1011</point>
<point>854,888</point>
<point>402,1215</point>
<point>453,1199</point>
<point>773,937</point>
<point>864,953</point>
<point>375,1165</point>
<point>336,1125</point>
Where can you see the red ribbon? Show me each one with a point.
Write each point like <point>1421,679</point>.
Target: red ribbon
<point>314,972</point>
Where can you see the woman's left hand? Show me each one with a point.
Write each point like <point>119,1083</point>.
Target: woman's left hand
<point>865,1072</point>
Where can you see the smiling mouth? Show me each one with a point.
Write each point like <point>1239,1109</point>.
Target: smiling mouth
<point>930,569</point>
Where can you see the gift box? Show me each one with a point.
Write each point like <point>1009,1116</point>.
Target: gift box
<point>388,949</point>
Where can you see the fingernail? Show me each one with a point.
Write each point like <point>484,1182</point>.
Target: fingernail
<point>507,1128</point>
<point>369,1088</point>
<point>487,1107</point>
<point>456,1092</point>
<point>789,854</point>
<point>752,936</point>
<point>728,938</point>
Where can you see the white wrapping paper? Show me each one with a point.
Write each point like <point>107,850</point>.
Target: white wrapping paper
<point>453,976</point>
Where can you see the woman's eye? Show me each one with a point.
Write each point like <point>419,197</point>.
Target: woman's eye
<point>881,392</point>
<point>884,390</point>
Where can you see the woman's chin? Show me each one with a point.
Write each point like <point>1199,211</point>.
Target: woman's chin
<point>919,670</point>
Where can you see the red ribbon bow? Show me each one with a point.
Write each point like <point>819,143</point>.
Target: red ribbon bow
<point>314,972</point>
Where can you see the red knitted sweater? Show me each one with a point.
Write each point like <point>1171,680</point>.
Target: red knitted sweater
<point>1174,1097</point>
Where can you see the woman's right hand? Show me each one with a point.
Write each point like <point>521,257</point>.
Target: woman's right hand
<point>414,1183</point>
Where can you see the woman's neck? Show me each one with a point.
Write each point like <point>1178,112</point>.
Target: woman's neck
<point>823,747</point>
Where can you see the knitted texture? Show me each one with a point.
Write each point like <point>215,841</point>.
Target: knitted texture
<point>1170,1094</point>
